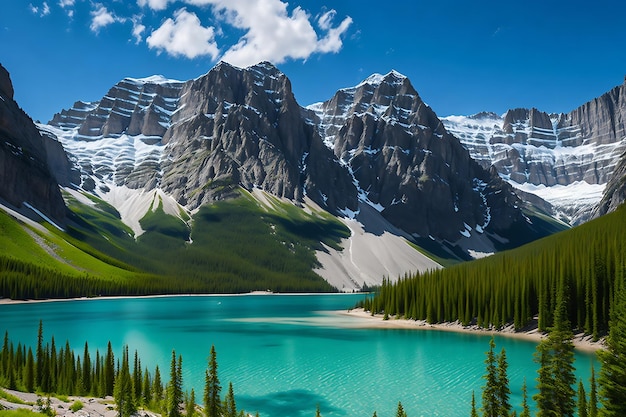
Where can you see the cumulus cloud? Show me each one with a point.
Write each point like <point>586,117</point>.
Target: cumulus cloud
<point>102,17</point>
<point>184,36</point>
<point>273,34</point>
<point>154,4</point>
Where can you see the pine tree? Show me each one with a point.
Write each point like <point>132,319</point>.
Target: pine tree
<point>400,411</point>
<point>86,371</point>
<point>157,385</point>
<point>503,392</point>
<point>491,404</point>
<point>146,389</point>
<point>473,413</point>
<point>317,411</point>
<point>582,400</point>
<point>175,387</point>
<point>109,371</point>
<point>212,388</point>
<point>39,359</point>
<point>123,391</point>
<point>137,378</point>
<point>612,379</point>
<point>29,372</point>
<point>555,355</point>
<point>230,407</point>
<point>190,404</point>
<point>593,395</point>
<point>525,407</point>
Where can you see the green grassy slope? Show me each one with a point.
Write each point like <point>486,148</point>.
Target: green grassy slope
<point>232,246</point>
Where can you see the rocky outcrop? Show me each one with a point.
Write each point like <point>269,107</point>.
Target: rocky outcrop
<point>25,158</point>
<point>615,191</point>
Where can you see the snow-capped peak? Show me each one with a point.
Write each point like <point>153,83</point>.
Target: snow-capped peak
<point>376,79</point>
<point>153,79</point>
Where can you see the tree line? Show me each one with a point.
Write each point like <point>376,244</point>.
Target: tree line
<point>60,371</point>
<point>514,287</point>
<point>559,394</point>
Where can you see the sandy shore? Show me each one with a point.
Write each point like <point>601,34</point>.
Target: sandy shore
<point>363,319</point>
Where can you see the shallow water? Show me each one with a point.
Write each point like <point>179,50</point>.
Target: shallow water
<point>285,354</point>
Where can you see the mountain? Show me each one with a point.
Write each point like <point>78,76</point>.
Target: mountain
<point>406,165</point>
<point>373,146</point>
<point>31,165</point>
<point>565,159</point>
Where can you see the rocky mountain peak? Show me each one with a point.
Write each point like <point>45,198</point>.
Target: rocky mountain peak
<point>26,157</point>
<point>404,162</point>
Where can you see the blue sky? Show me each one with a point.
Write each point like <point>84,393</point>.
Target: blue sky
<point>462,57</point>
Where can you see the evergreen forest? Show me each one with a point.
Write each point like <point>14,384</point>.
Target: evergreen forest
<point>521,285</point>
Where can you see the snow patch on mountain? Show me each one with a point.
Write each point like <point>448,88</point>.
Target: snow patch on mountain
<point>556,164</point>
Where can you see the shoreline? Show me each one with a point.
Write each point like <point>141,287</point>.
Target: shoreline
<point>580,341</point>
<point>9,301</point>
<point>362,319</point>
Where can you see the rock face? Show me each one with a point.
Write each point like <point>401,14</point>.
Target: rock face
<point>199,139</point>
<point>405,163</point>
<point>615,192</point>
<point>26,159</point>
<point>566,159</point>
<point>376,144</point>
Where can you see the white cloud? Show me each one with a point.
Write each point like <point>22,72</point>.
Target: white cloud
<point>272,33</point>
<point>101,17</point>
<point>138,29</point>
<point>42,11</point>
<point>154,4</point>
<point>184,36</point>
<point>67,6</point>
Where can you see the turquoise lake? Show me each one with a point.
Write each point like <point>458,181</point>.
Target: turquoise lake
<point>285,354</point>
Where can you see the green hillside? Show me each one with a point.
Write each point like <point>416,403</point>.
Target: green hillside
<point>232,246</point>
<point>517,285</point>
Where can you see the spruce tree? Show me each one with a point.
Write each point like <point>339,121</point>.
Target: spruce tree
<point>212,388</point>
<point>39,358</point>
<point>123,391</point>
<point>190,404</point>
<point>473,413</point>
<point>593,395</point>
<point>503,392</point>
<point>400,411</point>
<point>317,411</point>
<point>109,371</point>
<point>230,407</point>
<point>525,407</point>
<point>612,379</point>
<point>86,371</point>
<point>29,372</point>
<point>146,389</point>
<point>491,404</point>
<point>555,355</point>
<point>157,385</point>
<point>582,400</point>
<point>175,388</point>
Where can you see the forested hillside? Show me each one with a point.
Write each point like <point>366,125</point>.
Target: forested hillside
<point>517,285</point>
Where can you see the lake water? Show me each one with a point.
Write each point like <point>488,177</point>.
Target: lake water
<point>285,354</point>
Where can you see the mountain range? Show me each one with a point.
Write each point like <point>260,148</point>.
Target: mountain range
<point>410,190</point>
